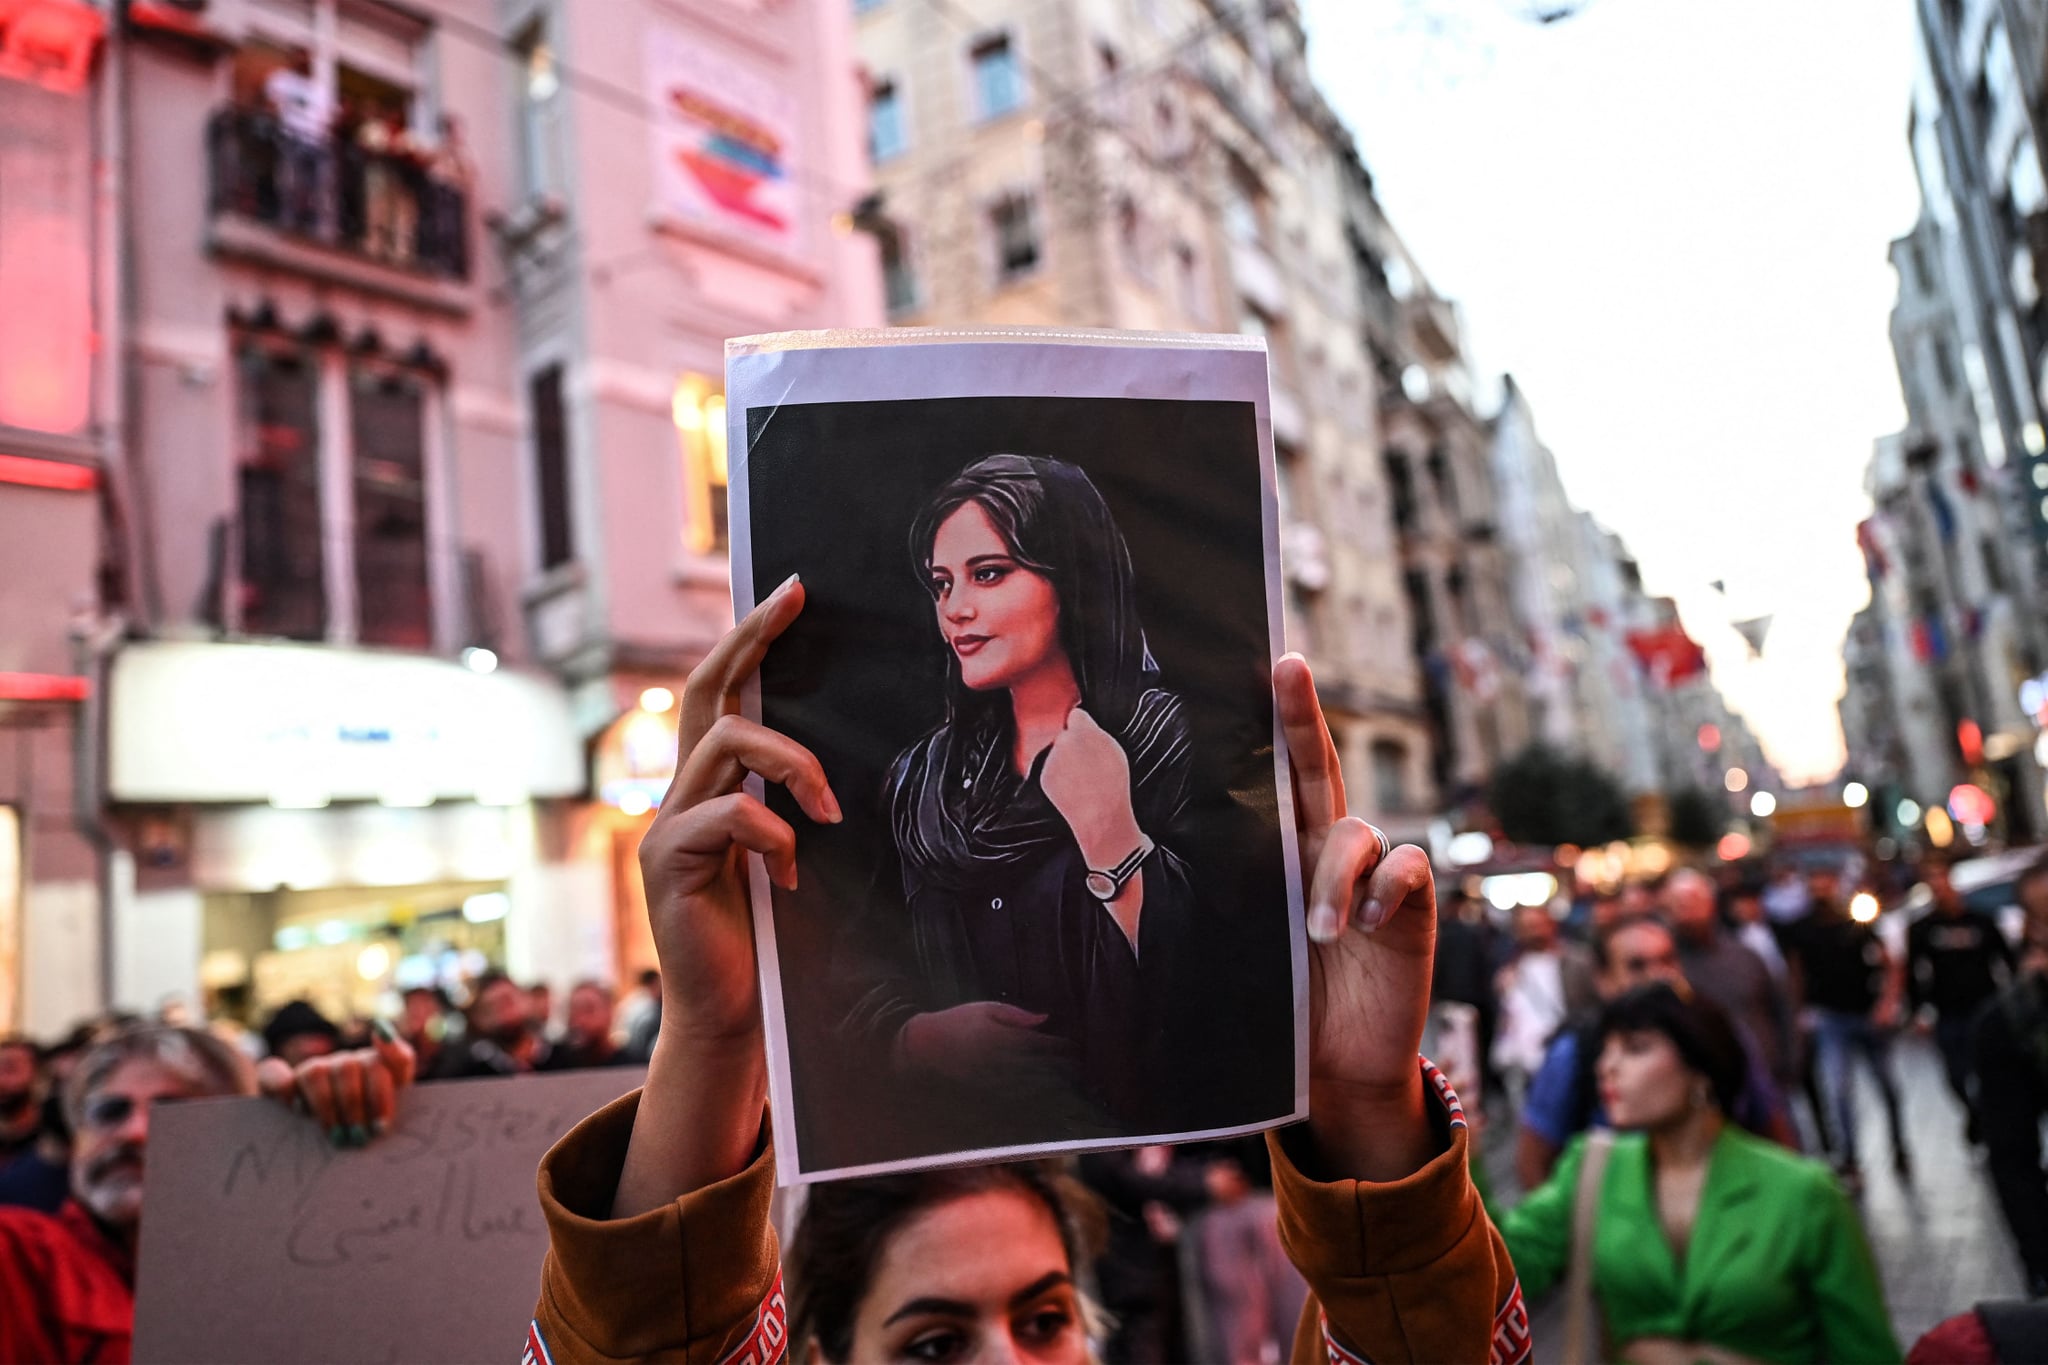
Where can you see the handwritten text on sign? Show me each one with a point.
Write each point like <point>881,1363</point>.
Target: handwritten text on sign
<point>261,1241</point>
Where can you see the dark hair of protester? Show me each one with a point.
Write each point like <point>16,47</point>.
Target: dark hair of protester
<point>1698,1028</point>
<point>204,1060</point>
<point>948,816</point>
<point>846,1227</point>
<point>297,1019</point>
<point>651,979</point>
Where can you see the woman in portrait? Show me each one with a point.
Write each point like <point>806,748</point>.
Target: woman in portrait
<point>1040,898</point>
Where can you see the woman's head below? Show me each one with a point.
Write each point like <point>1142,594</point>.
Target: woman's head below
<point>1028,572</point>
<point>1664,1056</point>
<point>973,1264</point>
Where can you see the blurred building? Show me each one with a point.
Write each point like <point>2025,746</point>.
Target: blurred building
<point>60,398</point>
<point>1167,165</point>
<point>410,468</point>
<point>1440,480</point>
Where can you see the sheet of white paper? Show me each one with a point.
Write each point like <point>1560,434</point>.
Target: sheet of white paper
<point>264,1242</point>
<point>848,420</point>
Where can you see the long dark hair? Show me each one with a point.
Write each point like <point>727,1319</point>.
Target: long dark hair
<point>954,804</point>
<point>1698,1028</point>
<point>1054,523</point>
<point>846,1224</point>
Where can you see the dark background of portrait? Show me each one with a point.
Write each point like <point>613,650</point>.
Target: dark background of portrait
<point>833,488</point>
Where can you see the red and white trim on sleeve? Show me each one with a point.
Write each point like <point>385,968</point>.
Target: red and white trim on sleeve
<point>536,1352</point>
<point>1439,1083</point>
<point>1513,1343</point>
<point>768,1343</point>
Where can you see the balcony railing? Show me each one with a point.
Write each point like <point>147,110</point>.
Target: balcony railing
<point>390,206</point>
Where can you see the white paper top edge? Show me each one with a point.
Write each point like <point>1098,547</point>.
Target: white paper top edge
<point>841,338</point>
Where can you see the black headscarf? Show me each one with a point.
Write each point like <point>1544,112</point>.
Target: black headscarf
<point>955,801</point>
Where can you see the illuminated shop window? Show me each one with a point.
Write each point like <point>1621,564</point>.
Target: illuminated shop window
<point>699,412</point>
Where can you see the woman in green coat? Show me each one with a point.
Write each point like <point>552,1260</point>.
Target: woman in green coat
<point>1710,1244</point>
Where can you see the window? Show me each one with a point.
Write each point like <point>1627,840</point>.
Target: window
<point>281,589</point>
<point>551,466</point>
<point>387,417</point>
<point>998,81</point>
<point>699,411</point>
<point>1016,236</point>
<point>1390,775</point>
<point>886,135</point>
<point>1244,213</point>
<point>1130,238</point>
<point>1944,365</point>
<point>899,280</point>
<point>540,114</point>
<point>1923,280</point>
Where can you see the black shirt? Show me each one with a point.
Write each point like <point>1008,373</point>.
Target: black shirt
<point>1954,962</point>
<point>1843,962</point>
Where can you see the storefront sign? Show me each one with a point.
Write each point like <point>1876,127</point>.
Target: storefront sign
<point>300,726</point>
<point>722,141</point>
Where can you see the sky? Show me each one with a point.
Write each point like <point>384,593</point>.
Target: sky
<point>1668,219</point>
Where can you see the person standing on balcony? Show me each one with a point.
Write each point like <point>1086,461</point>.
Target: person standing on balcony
<point>305,114</point>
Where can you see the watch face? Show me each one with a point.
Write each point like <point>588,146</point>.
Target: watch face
<point>1101,885</point>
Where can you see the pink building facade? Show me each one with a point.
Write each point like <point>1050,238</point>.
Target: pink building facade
<point>409,472</point>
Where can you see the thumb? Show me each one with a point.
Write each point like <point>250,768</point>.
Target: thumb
<point>1079,719</point>
<point>393,1052</point>
<point>1011,1016</point>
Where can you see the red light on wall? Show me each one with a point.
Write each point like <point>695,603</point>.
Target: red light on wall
<point>1970,740</point>
<point>49,42</point>
<point>43,687</point>
<point>30,473</point>
<point>1710,738</point>
<point>1972,805</point>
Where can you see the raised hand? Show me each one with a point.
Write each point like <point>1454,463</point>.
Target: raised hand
<point>352,1095</point>
<point>707,1083</point>
<point>1372,931</point>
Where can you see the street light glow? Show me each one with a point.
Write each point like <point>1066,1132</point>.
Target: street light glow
<point>1762,804</point>
<point>1855,796</point>
<point>1909,813</point>
<point>657,700</point>
<point>1737,780</point>
<point>1863,907</point>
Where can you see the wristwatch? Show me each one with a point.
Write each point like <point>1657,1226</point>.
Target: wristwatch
<point>1107,886</point>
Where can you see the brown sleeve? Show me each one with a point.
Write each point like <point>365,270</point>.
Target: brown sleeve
<point>1407,1271</point>
<point>695,1283</point>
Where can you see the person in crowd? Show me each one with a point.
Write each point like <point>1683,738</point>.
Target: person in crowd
<point>502,1039</point>
<point>297,1032</point>
<point>1564,1095</point>
<point>424,1025</point>
<point>1149,1194</point>
<point>1464,967</point>
<point>658,1205</point>
<point>640,1017</point>
<point>587,1042</point>
<point>67,1281</point>
<point>1709,1244</point>
<point>542,996</point>
<point>1995,1332</point>
<point>1956,959</point>
<point>305,114</point>
<point>32,1156</point>
<point>2010,1058</point>
<point>1726,972</point>
<point>1787,897</point>
<point>1847,979</point>
<point>1532,1002</point>
<point>1251,1296</point>
<point>1743,909</point>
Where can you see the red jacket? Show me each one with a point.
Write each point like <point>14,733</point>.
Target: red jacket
<point>67,1290</point>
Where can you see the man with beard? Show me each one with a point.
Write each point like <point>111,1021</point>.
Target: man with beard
<point>503,1038</point>
<point>67,1282</point>
<point>588,1040</point>
<point>21,1099</point>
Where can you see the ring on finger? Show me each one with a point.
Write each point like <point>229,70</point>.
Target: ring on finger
<point>1386,844</point>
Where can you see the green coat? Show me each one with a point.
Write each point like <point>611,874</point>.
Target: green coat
<point>1777,1268</point>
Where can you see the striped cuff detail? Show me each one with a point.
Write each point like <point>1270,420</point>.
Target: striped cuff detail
<point>536,1352</point>
<point>1513,1343</point>
<point>768,1343</point>
<point>1440,1085</point>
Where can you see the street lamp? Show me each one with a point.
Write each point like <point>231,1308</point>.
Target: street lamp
<point>1855,796</point>
<point>1762,804</point>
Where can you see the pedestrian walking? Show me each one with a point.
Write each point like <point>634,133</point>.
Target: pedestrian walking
<point>1956,959</point>
<point>1564,1095</point>
<point>1681,1237</point>
<point>2009,1055</point>
<point>1532,1000</point>
<point>1849,983</point>
<point>1726,972</point>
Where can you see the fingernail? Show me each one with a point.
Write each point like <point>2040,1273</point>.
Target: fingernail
<point>787,584</point>
<point>1371,916</point>
<point>832,812</point>
<point>358,1135</point>
<point>1322,923</point>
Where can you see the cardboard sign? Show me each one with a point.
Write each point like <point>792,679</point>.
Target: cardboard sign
<point>261,1241</point>
<point>1042,605</point>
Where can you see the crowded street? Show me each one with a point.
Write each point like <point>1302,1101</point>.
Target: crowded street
<point>1023,682</point>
